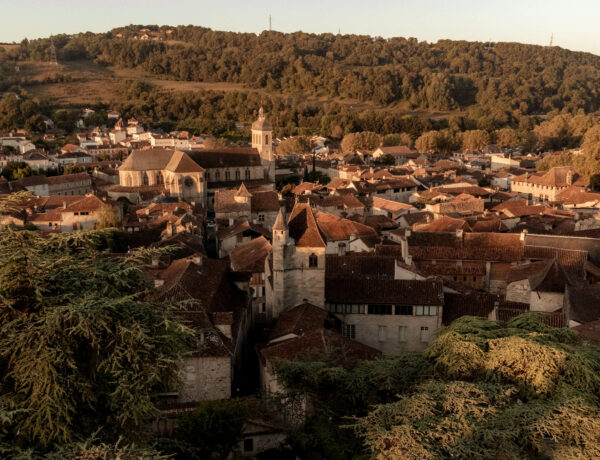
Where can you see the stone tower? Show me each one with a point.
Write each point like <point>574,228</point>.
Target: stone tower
<point>262,140</point>
<point>297,262</point>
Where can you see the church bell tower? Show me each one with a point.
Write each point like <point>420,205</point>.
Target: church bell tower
<point>262,140</point>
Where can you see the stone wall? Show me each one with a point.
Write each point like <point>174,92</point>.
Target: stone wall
<point>206,378</point>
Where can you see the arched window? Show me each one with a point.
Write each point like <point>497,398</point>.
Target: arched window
<point>207,175</point>
<point>159,178</point>
<point>247,174</point>
<point>227,175</point>
<point>128,181</point>
<point>145,178</point>
<point>313,260</point>
<point>237,174</point>
<point>218,176</point>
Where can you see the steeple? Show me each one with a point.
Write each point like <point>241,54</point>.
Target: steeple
<point>280,222</point>
<point>262,141</point>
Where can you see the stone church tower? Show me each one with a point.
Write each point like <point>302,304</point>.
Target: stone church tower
<point>297,267</point>
<point>262,140</point>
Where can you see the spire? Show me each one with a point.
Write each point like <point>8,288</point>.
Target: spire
<point>280,222</point>
<point>261,114</point>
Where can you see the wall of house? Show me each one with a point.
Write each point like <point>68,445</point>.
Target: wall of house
<point>367,330</point>
<point>261,442</point>
<point>206,378</point>
<point>546,301</point>
<point>294,282</point>
<point>518,291</point>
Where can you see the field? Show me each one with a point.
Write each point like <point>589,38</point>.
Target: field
<point>92,83</point>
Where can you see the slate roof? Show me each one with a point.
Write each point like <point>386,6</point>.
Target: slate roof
<point>383,291</point>
<point>336,228</point>
<point>316,343</point>
<point>369,266</point>
<point>303,227</point>
<point>299,320</point>
<point>250,256</point>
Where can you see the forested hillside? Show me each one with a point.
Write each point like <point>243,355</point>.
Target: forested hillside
<point>503,78</point>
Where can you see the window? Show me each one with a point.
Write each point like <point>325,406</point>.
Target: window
<point>247,174</point>
<point>401,333</point>
<point>425,311</point>
<point>145,179</point>
<point>207,174</point>
<point>349,331</point>
<point>381,333</point>
<point>313,260</point>
<point>267,139</point>
<point>424,334</point>
<point>227,175</point>
<point>159,178</point>
<point>380,310</point>
<point>261,217</point>
<point>262,308</point>
<point>237,175</point>
<point>248,445</point>
<point>406,310</point>
<point>396,190</point>
<point>218,176</point>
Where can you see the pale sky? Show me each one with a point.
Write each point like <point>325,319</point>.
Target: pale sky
<point>574,23</point>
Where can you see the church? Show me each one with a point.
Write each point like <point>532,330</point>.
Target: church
<point>195,175</point>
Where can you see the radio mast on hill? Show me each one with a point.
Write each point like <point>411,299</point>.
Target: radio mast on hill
<point>53,58</point>
<point>269,23</point>
<point>551,38</point>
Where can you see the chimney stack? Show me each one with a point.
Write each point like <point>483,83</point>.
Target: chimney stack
<point>523,235</point>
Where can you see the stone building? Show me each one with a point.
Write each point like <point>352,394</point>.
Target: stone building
<point>295,270</point>
<point>546,185</point>
<point>259,207</point>
<point>219,312</point>
<point>196,175</point>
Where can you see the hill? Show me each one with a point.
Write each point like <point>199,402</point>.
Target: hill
<point>442,76</point>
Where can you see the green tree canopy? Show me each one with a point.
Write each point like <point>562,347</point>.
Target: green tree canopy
<point>482,389</point>
<point>81,346</point>
<point>363,140</point>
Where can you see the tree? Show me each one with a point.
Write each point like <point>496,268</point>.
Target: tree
<point>296,145</point>
<point>107,217</point>
<point>429,142</point>
<point>215,143</point>
<point>213,427</point>
<point>507,138</point>
<point>81,346</point>
<point>366,140</point>
<point>482,389</point>
<point>390,140</point>
<point>591,141</point>
<point>475,139</point>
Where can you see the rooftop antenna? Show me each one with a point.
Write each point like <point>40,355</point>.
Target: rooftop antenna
<point>269,23</point>
<point>551,38</point>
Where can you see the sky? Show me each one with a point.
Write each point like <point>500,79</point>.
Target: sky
<point>573,24</point>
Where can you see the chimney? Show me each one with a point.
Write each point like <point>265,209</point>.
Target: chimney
<point>459,232</point>
<point>523,235</point>
<point>158,283</point>
<point>231,221</point>
<point>64,204</point>
<point>407,233</point>
<point>408,259</point>
<point>352,236</point>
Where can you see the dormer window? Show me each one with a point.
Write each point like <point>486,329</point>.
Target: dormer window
<point>313,261</point>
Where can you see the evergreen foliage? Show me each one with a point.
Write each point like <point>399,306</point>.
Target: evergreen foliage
<point>482,389</point>
<point>81,346</point>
